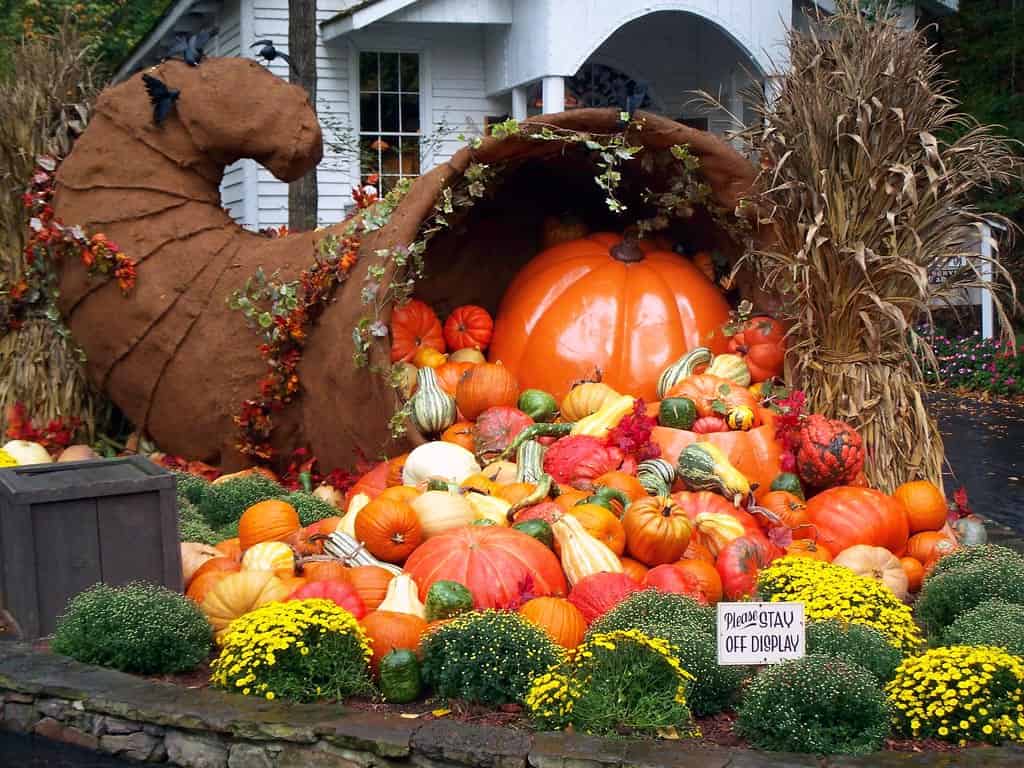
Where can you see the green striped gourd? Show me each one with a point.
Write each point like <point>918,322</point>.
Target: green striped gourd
<point>683,367</point>
<point>433,409</point>
<point>731,367</point>
<point>529,462</point>
<point>656,476</point>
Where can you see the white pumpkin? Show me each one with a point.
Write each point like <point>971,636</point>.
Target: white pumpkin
<point>193,555</point>
<point>877,563</point>
<point>467,355</point>
<point>24,452</point>
<point>330,494</point>
<point>438,459</point>
<point>440,511</point>
<point>501,472</point>
<point>348,522</point>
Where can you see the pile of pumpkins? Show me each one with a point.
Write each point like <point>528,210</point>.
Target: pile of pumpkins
<point>523,502</point>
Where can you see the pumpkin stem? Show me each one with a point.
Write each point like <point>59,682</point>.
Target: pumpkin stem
<point>627,251</point>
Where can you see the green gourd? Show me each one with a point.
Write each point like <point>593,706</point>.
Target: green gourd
<point>433,409</point>
<point>704,467</point>
<point>400,679</point>
<point>529,462</point>
<point>677,412</point>
<point>683,367</point>
<point>538,405</point>
<point>656,476</point>
<point>538,529</point>
<point>446,599</point>
<point>787,481</point>
<point>731,367</point>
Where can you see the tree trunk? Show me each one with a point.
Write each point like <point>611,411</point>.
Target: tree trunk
<point>302,194</point>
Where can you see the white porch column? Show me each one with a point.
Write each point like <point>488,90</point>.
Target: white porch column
<point>987,319</point>
<point>519,103</point>
<point>553,95</point>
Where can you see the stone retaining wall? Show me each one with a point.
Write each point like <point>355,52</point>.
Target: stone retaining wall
<point>107,711</point>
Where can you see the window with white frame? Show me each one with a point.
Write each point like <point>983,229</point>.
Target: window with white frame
<point>389,116</point>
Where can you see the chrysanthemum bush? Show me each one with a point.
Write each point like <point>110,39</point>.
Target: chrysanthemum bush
<point>815,704</point>
<point>140,628</point>
<point>960,694</point>
<point>487,657</point>
<point>855,643</point>
<point>690,630</point>
<point>994,622</point>
<point>301,650</point>
<point>833,592</point>
<point>975,363</point>
<point>616,682</point>
<point>948,594</point>
<point>984,554</point>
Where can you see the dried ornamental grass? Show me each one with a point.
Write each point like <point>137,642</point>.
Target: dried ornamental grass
<point>868,171</point>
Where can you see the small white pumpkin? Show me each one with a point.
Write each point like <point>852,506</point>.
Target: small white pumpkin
<point>330,494</point>
<point>441,511</point>
<point>438,459</point>
<point>24,452</point>
<point>193,555</point>
<point>877,563</point>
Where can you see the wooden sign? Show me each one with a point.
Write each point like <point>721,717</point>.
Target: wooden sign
<point>760,633</point>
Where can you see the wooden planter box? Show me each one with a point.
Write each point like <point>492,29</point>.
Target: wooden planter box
<point>65,527</point>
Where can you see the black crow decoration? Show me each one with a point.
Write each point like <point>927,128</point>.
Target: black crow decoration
<point>268,52</point>
<point>162,97</point>
<point>192,48</point>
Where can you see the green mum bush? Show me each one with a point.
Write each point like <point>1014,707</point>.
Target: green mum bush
<point>816,704</point>
<point>983,554</point>
<point>224,503</point>
<point>309,507</point>
<point>140,628</point>
<point>945,596</point>
<point>994,622</point>
<point>855,643</point>
<point>488,657</point>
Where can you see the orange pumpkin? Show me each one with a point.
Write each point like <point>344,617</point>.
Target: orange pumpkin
<point>809,548</point>
<point>270,520</point>
<point>848,515</point>
<point>231,548</point>
<point>389,529</point>
<point>657,530</point>
<point>394,473</point>
<point>762,345</point>
<point>460,433</point>
<point>561,620</point>
<point>634,569</point>
<point>388,630</point>
<point>706,574</point>
<point>371,483</point>
<point>399,493</point>
<point>915,572</point>
<point>485,386</point>
<point>450,374</point>
<point>703,261</point>
<point>790,510</point>
<point>929,546</point>
<point>710,393</point>
<point>330,570</point>
<point>202,583</point>
<point>468,327</point>
<point>624,482</point>
<point>513,493</point>
<point>213,565</point>
<point>695,550</point>
<point>568,497</point>
<point>428,357</point>
<point>371,583</point>
<point>926,506</point>
<point>414,325</point>
<point>623,307</point>
<point>602,524</point>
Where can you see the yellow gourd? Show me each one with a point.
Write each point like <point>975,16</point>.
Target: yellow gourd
<point>489,508</point>
<point>268,556</point>
<point>403,597</point>
<point>602,421</point>
<point>582,554</point>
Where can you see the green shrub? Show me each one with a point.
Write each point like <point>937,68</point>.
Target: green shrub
<point>620,682</point>
<point>301,650</point>
<point>139,628</point>
<point>191,487</point>
<point>855,643</point>
<point>690,629</point>
<point>487,657</point>
<point>310,508</point>
<point>225,502</point>
<point>984,554</point>
<point>946,596</point>
<point>816,704</point>
<point>192,526</point>
<point>993,622</point>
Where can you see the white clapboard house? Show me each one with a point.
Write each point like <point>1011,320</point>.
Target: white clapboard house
<point>399,81</point>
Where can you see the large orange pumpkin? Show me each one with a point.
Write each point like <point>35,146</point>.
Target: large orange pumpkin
<point>414,325</point>
<point>657,530</point>
<point>602,524</point>
<point>756,453</point>
<point>270,520</point>
<point>849,515</point>
<point>926,506</point>
<point>388,630</point>
<point>561,620</point>
<point>485,386</point>
<point>496,564</point>
<point>390,529</point>
<point>371,582</point>
<point>622,307</point>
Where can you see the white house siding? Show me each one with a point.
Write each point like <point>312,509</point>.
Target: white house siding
<point>228,43</point>
<point>270,21</point>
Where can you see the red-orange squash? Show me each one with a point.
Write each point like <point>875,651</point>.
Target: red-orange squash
<point>712,393</point>
<point>498,565</point>
<point>914,571</point>
<point>789,510</point>
<point>270,520</point>
<point>602,524</point>
<point>390,529</point>
<point>657,530</point>
<point>561,620</point>
<point>669,578</point>
<point>327,570</point>
<point>762,344</point>
<point>460,433</point>
<point>414,325</point>
<point>598,593</point>
<point>450,374</point>
<point>388,630</point>
<point>926,506</point>
<point>468,326</point>
<point>809,548</point>
<point>485,386</point>
<point>371,583</point>
<point>706,576</point>
<point>230,548</point>
<point>625,308</point>
<point>223,564</point>
<point>929,546</point>
<point>849,515</point>
<point>622,481</point>
<point>634,568</point>
<point>370,484</point>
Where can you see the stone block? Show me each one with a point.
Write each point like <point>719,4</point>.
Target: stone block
<point>384,735</point>
<point>566,750</point>
<point>17,698</point>
<point>650,753</point>
<point>55,730</point>
<point>19,717</point>
<point>244,755</point>
<point>195,750</point>
<point>139,746</point>
<point>55,708</point>
<point>481,746</point>
<point>115,726</point>
<point>319,755</point>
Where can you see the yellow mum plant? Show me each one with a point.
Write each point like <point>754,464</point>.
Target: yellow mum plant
<point>617,680</point>
<point>833,592</point>
<point>960,693</point>
<point>6,460</point>
<point>301,650</point>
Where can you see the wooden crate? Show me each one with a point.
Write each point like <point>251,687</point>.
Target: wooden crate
<point>65,527</point>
